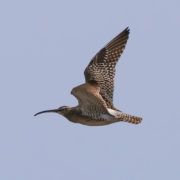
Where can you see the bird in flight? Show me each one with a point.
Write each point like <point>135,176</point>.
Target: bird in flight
<point>95,97</point>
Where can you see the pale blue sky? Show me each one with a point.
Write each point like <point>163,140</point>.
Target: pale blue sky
<point>45,46</point>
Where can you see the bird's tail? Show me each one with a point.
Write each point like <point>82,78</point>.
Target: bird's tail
<point>129,118</point>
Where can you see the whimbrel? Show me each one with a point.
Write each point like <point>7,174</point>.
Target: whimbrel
<point>95,97</point>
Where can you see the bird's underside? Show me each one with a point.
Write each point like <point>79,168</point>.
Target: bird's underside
<point>93,110</point>
<point>95,97</point>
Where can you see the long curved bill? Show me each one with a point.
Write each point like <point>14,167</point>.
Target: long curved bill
<point>47,111</point>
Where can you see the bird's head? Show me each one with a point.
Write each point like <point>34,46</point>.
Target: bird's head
<point>61,110</point>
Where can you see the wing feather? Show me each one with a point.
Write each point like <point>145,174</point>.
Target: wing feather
<point>90,101</point>
<point>101,68</point>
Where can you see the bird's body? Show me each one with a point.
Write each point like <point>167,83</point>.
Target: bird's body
<point>75,115</point>
<point>95,97</point>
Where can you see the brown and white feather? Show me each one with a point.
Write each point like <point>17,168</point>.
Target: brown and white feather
<point>102,66</point>
<point>90,101</point>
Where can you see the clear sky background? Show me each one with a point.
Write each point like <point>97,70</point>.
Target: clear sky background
<point>45,46</point>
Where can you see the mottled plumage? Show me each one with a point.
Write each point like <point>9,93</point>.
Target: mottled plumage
<point>102,66</point>
<point>95,97</point>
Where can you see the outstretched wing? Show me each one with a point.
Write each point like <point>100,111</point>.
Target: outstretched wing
<point>101,68</point>
<point>90,101</point>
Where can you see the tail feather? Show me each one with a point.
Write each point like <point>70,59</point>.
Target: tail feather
<point>129,118</point>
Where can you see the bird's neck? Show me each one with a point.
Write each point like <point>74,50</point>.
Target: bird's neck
<point>73,114</point>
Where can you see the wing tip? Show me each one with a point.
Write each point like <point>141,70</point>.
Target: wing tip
<point>127,30</point>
